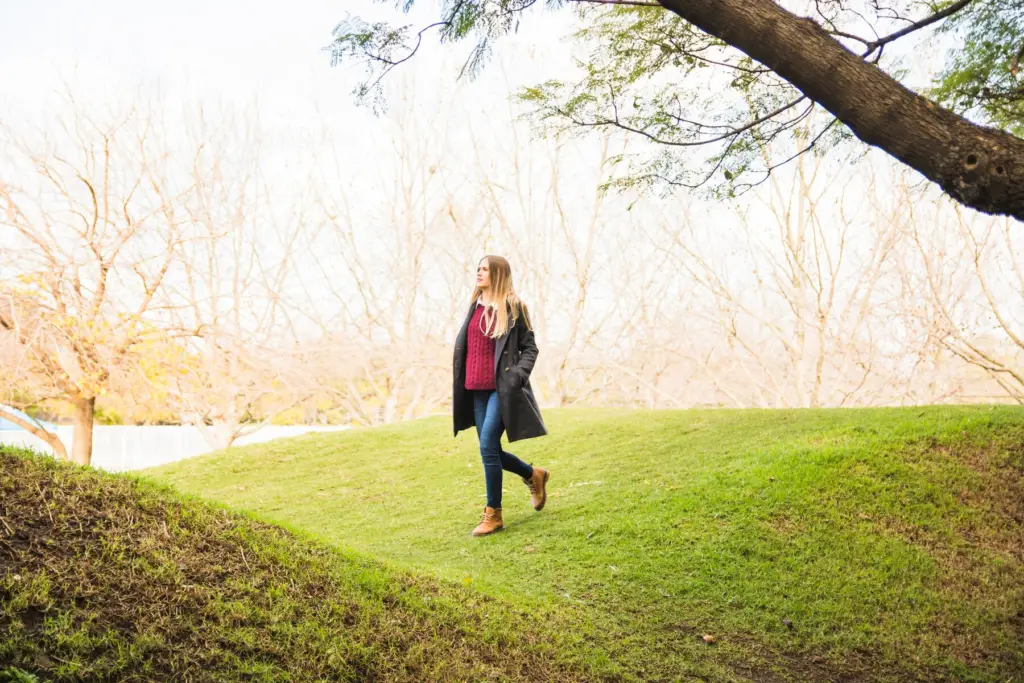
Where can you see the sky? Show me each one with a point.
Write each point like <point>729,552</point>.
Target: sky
<point>262,52</point>
<point>258,55</point>
<point>257,50</point>
<point>271,53</point>
<point>220,45</point>
<point>225,48</point>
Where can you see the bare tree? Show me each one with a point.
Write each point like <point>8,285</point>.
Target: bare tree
<point>784,316</point>
<point>555,221</point>
<point>23,387</point>
<point>233,283</point>
<point>390,254</point>
<point>965,287</point>
<point>91,210</point>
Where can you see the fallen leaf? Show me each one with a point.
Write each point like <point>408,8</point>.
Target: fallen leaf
<point>708,639</point>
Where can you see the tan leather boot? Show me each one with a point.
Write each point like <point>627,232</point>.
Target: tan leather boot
<point>490,523</point>
<point>538,485</point>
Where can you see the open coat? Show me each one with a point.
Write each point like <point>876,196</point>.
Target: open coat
<point>515,352</point>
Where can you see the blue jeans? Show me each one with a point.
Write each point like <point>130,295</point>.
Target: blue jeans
<point>489,427</point>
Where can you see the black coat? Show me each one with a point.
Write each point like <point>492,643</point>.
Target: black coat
<point>515,352</point>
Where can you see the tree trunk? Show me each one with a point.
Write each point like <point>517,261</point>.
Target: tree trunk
<point>31,427</point>
<point>81,444</point>
<point>980,167</point>
<point>220,435</point>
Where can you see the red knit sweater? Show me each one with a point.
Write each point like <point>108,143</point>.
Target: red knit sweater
<point>479,355</point>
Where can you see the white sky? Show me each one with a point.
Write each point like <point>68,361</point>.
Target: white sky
<point>272,52</point>
<point>225,48</point>
<point>239,51</point>
<point>225,44</point>
<point>242,52</point>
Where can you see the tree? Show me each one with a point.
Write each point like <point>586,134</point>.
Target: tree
<point>965,286</point>
<point>90,229</point>
<point>391,272</point>
<point>230,284</point>
<point>19,385</point>
<point>790,299</point>
<point>778,66</point>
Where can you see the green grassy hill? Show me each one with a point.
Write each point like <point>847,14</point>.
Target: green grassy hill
<point>103,578</point>
<point>812,545</point>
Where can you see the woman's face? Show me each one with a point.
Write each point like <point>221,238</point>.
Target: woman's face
<point>483,275</point>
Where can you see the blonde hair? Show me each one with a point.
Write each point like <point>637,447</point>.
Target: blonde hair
<point>504,302</point>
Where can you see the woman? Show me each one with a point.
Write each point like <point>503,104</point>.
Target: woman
<point>494,355</point>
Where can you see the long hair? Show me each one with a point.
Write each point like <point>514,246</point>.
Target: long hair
<point>505,304</point>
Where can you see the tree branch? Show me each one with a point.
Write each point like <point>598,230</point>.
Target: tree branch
<point>978,166</point>
<point>916,26</point>
<point>629,3</point>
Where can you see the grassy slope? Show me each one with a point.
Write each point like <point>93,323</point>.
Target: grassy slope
<point>106,579</point>
<point>890,540</point>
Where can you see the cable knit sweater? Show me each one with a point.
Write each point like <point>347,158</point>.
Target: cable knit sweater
<point>479,355</point>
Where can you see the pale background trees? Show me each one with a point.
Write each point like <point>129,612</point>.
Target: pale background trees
<point>317,273</point>
<point>785,306</point>
<point>91,222</point>
<point>965,290</point>
<point>234,281</point>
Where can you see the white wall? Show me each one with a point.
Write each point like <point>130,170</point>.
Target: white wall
<point>123,448</point>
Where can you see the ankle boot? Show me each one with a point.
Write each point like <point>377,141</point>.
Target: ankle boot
<point>538,485</point>
<point>490,523</point>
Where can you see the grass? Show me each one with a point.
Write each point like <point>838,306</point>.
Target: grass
<point>812,545</point>
<point>104,578</point>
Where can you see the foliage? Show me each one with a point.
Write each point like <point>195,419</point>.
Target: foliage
<point>387,46</point>
<point>711,112</point>
<point>985,76</point>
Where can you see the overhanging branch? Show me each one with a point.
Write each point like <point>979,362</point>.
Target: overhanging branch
<point>916,26</point>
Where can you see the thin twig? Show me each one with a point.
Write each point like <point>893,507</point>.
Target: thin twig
<point>242,550</point>
<point>806,149</point>
<point>629,3</point>
<point>841,34</point>
<point>689,143</point>
<point>917,25</point>
<point>42,496</point>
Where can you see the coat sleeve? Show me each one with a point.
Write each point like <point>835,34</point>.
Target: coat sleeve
<point>527,346</point>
